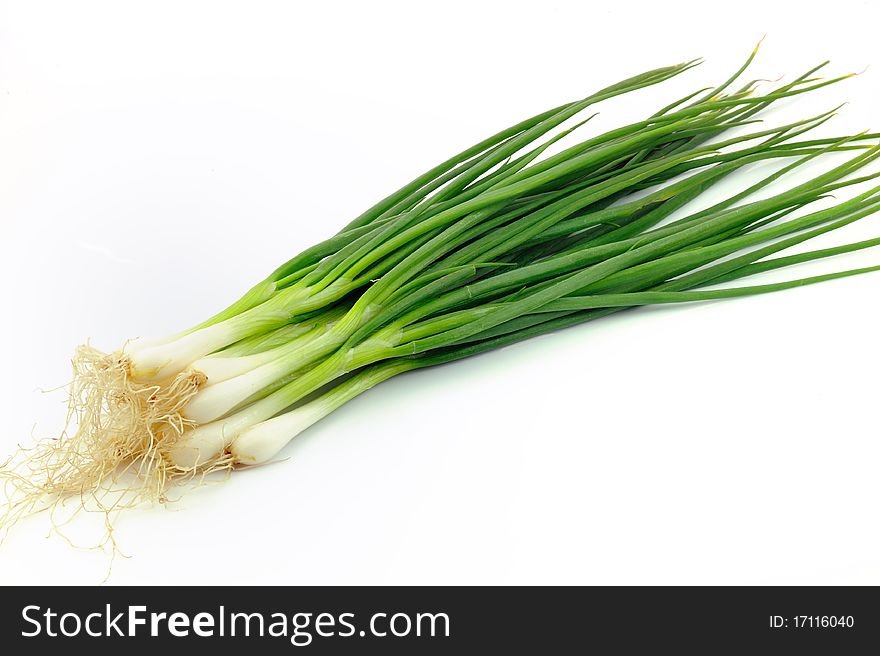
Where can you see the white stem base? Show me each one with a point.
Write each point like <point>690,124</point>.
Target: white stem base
<point>154,363</point>
<point>262,442</point>
<point>203,443</point>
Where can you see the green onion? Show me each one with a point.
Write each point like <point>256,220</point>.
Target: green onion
<point>495,245</point>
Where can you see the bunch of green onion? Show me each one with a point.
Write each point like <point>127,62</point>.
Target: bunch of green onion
<point>495,245</point>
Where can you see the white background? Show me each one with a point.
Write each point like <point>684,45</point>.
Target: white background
<point>158,158</point>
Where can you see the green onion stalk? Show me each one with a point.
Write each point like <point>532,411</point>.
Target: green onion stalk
<point>502,242</point>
